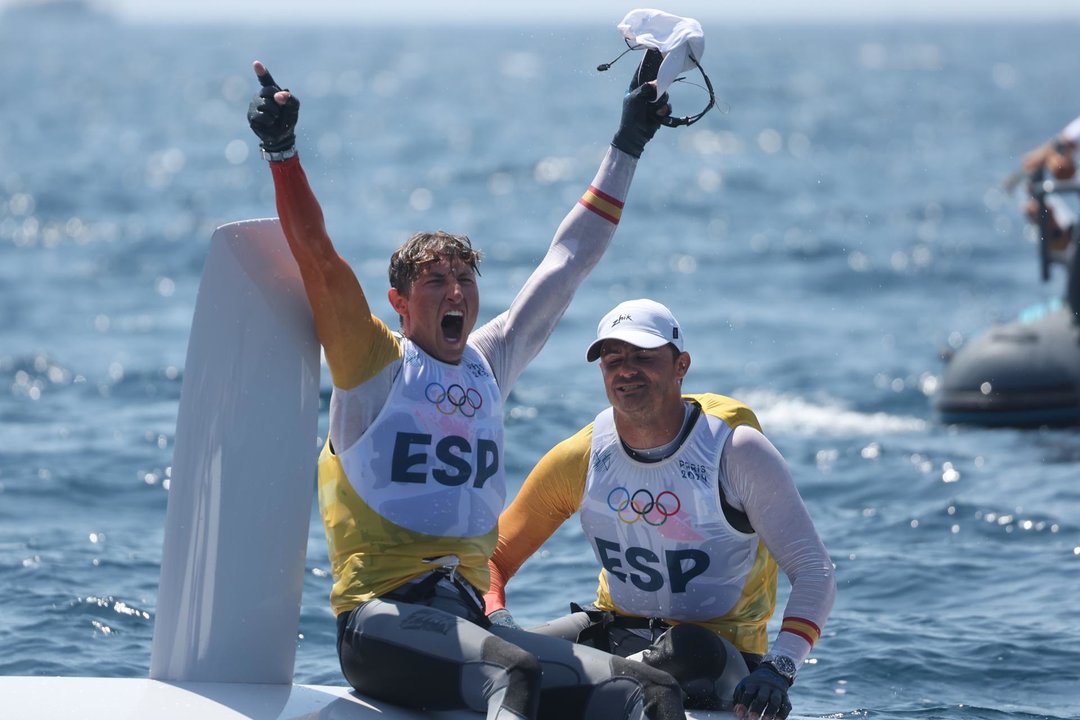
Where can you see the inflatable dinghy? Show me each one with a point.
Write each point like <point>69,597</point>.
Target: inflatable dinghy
<point>1025,373</point>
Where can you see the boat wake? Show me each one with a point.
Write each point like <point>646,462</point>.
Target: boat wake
<point>792,414</point>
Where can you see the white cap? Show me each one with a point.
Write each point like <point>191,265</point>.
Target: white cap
<point>644,323</point>
<point>1071,132</point>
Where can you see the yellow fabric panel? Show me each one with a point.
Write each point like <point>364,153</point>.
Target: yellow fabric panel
<point>370,556</point>
<point>557,483</point>
<point>730,410</point>
<point>379,350</point>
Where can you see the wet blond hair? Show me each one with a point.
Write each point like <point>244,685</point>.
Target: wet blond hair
<point>424,248</point>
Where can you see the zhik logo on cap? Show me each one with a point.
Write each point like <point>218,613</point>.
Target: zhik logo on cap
<point>644,323</point>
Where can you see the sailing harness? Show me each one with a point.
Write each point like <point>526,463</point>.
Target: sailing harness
<point>422,591</point>
<point>606,630</point>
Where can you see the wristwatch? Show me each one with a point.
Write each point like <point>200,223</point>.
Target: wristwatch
<point>278,156</point>
<point>782,664</point>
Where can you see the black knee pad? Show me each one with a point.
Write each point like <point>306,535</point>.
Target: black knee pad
<point>696,657</point>
<point>523,671</point>
<point>663,696</point>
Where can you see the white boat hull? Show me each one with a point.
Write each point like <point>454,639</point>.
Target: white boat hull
<point>63,698</point>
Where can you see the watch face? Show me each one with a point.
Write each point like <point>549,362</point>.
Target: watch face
<point>783,664</point>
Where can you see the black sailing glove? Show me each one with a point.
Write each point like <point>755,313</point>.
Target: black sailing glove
<point>764,693</point>
<point>273,123</point>
<point>641,109</point>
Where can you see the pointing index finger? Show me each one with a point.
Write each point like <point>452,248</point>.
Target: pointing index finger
<point>265,78</point>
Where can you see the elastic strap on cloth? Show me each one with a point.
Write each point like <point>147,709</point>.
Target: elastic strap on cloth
<point>691,119</point>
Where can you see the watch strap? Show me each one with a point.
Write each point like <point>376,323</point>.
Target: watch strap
<point>278,156</point>
<point>783,666</point>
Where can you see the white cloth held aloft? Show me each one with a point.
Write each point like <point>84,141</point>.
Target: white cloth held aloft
<point>679,39</point>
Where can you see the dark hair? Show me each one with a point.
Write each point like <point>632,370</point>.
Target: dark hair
<point>423,248</point>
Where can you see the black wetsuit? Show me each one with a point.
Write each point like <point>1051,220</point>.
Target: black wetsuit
<point>429,646</point>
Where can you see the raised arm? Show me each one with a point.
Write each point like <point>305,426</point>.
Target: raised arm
<point>514,338</point>
<point>343,320</point>
<point>1056,155</point>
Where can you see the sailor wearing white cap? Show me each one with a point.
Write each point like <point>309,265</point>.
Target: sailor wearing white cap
<point>690,511</point>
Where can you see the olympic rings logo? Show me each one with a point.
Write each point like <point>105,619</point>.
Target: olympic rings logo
<point>641,505</point>
<point>454,399</point>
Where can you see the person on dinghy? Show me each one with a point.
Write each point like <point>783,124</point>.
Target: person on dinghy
<point>411,479</point>
<point>1053,217</point>
<point>1057,155</point>
<point>1057,159</point>
<point>689,510</point>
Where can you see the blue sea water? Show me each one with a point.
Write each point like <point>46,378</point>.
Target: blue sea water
<point>823,239</point>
